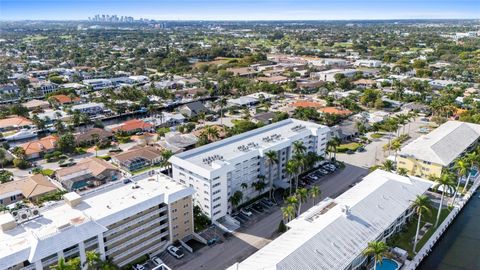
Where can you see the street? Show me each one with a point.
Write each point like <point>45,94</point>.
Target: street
<point>246,241</point>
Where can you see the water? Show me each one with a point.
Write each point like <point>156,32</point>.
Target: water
<point>387,264</point>
<point>459,248</point>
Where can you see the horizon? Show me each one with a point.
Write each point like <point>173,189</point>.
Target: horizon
<point>246,10</point>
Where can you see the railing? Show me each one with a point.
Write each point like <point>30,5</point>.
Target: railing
<point>150,250</point>
<point>135,221</point>
<point>425,250</point>
<point>140,246</point>
<point>135,239</point>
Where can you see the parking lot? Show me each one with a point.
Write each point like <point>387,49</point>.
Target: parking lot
<point>261,228</point>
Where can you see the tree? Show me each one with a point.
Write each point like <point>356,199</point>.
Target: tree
<point>259,186</point>
<point>421,204</point>
<point>236,198</point>
<point>378,250</point>
<point>291,169</point>
<point>462,167</point>
<point>165,163</point>
<point>299,148</point>
<point>332,146</point>
<point>3,156</point>
<point>395,146</point>
<point>66,143</point>
<point>222,102</point>
<point>447,184</point>
<point>473,159</point>
<point>282,227</point>
<point>388,165</point>
<point>288,212</point>
<point>93,260</point>
<point>302,195</point>
<point>5,176</point>
<point>402,171</point>
<point>271,159</point>
<point>315,192</point>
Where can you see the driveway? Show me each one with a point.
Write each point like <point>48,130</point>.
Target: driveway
<point>248,240</point>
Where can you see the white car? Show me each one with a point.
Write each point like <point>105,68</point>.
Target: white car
<point>175,252</point>
<point>246,212</point>
<point>139,267</point>
<point>156,260</point>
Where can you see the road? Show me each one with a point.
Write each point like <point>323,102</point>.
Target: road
<point>248,240</point>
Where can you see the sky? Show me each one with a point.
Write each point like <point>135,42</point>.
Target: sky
<point>241,9</point>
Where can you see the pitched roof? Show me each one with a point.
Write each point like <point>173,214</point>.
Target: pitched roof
<point>333,110</point>
<point>15,121</point>
<point>307,104</point>
<point>87,135</point>
<point>35,103</point>
<point>132,125</point>
<point>147,152</point>
<point>333,233</point>
<point>40,145</point>
<point>32,186</point>
<point>62,99</point>
<point>444,144</point>
<point>94,166</point>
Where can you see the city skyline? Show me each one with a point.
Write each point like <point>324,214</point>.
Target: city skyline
<point>241,10</point>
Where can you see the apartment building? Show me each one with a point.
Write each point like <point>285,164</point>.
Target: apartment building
<point>122,223</point>
<point>429,154</point>
<point>218,169</point>
<point>334,233</point>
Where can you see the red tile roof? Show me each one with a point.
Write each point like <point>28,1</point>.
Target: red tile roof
<point>132,125</point>
<point>307,104</point>
<point>64,99</point>
<point>333,110</point>
<point>39,146</point>
<point>15,122</point>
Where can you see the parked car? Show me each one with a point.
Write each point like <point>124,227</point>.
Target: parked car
<point>139,267</point>
<point>258,207</point>
<point>175,252</point>
<point>350,151</point>
<point>156,260</point>
<point>246,212</point>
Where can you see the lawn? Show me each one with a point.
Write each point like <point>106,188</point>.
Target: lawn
<point>47,172</point>
<point>404,239</point>
<point>146,169</point>
<point>377,135</point>
<point>348,146</point>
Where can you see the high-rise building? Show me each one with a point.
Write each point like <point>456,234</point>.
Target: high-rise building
<point>217,170</point>
<point>121,222</point>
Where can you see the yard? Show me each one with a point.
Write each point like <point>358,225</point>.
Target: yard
<point>404,239</point>
<point>377,135</point>
<point>348,146</point>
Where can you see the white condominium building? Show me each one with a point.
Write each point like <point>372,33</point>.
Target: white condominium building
<point>219,169</point>
<point>121,222</point>
<point>334,233</point>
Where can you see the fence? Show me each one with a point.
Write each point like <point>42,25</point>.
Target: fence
<point>425,250</point>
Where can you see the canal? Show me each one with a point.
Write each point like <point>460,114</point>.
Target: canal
<point>459,247</point>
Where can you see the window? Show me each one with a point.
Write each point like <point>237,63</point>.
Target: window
<point>216,206</point>
<point>13,198</point>
<point>216,185</point>
<point>216,199</point>
<point>216,213</point>
<point>216,192</point>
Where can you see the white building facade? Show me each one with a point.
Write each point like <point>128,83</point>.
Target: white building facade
<point>217,170</point>
<point>121,224</point>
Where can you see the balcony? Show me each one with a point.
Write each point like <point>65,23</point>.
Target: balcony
<point>153,249</point>
<point>135,221</point>
<point>135,239</point>
<point>140,247</point>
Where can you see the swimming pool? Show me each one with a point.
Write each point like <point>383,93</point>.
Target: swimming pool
<point>388,264</point>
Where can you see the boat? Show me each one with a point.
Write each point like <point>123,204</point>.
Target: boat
<point>22,134</point>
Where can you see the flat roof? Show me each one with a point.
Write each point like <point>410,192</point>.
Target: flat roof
<point>236,146</point>
<point>444,144</point>
<point>334,232</point>
<point>60,226</point>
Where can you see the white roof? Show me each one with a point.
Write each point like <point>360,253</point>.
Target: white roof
<point>444,144</point>
<point>327,238</point>
<point>237,146</point>
<point>61,226</point>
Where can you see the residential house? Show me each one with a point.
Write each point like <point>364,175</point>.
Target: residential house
<point>138,158</point>
<point>89,171</point>
<point>91,108</point>
<point>335,111</point>
<point>265,118</point>
<point>346,131</point>
<point>65,100</point>
<point>14,122</point>
<point>98,84</point>
<point>31,188</point>
<point>35,104</point>
<point>132,126</point>
<point>364,83</point>
<point>329,75</point>
<point>92,136</point>
<point>193,109</point>
<point>40,147</point>
<point>178,142</point>
<point>274,79</point>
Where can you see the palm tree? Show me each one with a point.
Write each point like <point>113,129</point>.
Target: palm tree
<point>222,102</point>
<point>271,158</point>
<point>378,250</point>
<point>332,145</point>
<point>211,133</point>
<point>473,159</point>
<point>302,195</point>
<point>3,155</point>
<point>447,184</point>
<point>288,212</point>
<point>395,146</point>
<point>61,265</point>
<point>388,165</point>
<point>315,192</point>
<point>244,185</point>
<point>402,171</point>
<point>299,163</point>
<point>291,169</point>
<point>298,147</point>
<point>259,186</point>
<point>166,155</point>
<point>236,198</point>
<point>462,167</point>
<point>420,205</point>
<point>93,259</point>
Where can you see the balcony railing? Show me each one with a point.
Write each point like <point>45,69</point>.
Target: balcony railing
<point>138,229</point>
<point>135,221</point>
<point>140,246</point>
<point>136,239</point>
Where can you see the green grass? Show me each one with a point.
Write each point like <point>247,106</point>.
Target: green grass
<point>146,169</point>
<point>34,38</point>
<point>404,239</point>
<point>377,135</point>
<point>348,146</point>
<point>47,172</point>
